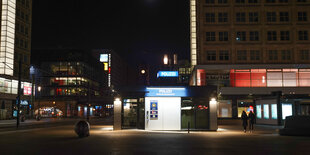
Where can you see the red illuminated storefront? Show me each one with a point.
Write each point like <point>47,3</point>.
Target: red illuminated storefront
<point>262,77</point>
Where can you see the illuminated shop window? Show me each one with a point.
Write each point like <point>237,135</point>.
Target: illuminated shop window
<point>274,111</point>
<point>258,78</point>
<point>225,108</point>
<point>287,110</point>
<point>274,79</point>
<point>304,77</point>
<point>259,111</point>
<point>266,111</point>
<point>201,77</point>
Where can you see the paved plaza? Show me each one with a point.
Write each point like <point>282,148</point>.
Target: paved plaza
<point>229,139</point>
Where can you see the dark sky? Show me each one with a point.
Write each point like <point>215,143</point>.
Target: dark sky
<point>140,30</point>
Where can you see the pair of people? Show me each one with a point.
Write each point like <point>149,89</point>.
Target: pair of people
<point>245,118</point>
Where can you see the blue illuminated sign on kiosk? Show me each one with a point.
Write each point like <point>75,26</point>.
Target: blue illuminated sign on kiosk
<point>166,92</point>
<point>167,74</point>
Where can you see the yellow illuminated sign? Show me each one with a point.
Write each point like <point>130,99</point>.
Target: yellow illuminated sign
<point>106,66</point>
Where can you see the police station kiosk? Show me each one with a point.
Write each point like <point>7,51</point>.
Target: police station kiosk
<point>163,108</point>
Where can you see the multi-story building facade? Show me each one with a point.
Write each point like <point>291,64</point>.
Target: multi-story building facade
<point>118,73</point>
<point>71,81</point>
<point>251,47</point>
<point>16,17</point>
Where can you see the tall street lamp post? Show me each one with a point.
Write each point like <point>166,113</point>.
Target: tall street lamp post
<point>18,91</point>
<point>39,106</point>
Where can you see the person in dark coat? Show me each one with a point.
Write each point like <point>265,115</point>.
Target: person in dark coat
<point>244,118</point>
<point>251,121</point>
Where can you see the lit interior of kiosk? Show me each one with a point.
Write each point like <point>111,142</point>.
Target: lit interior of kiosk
<point>175,109</point>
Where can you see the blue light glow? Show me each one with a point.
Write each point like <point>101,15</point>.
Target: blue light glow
<point>166,92</point>
<point>168,74</point>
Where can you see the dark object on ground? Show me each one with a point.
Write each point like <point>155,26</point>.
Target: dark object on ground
<point>82,128</point>
<point>22,118</point>
<point>296,126</point>
<point>38,117</point>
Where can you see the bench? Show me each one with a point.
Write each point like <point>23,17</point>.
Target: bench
<point>296,126</point>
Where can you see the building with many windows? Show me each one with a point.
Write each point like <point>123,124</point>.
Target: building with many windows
<point>250,48</point>
<point>16,17</point>
<point>71,83</point>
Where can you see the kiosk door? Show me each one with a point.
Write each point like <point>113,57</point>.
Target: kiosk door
<point>163,113</point>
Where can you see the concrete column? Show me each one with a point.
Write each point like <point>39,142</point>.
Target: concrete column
<point>117,114</point>
<point>234,108</point>
<point>213,114</point>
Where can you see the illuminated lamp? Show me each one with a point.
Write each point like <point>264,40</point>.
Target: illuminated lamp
<point>142,71</point>
<point>166,59</point>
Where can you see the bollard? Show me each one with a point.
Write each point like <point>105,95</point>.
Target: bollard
<point>188,126</point>
<point>38,117</point>
<point>82,128</point>
<point>22,118</point>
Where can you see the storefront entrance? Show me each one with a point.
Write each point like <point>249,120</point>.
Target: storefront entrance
<point>132,114</point>
<point>195,113</point>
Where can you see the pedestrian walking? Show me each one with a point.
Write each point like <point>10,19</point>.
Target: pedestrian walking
<point>251,121</point>
<point>244,118</point>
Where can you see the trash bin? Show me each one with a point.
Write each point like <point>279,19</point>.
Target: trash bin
<point>82,128</point>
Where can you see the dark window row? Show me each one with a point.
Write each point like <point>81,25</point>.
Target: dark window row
<point>240,17</point>
<point>254,36</point>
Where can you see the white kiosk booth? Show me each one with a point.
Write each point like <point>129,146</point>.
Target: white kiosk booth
<point>163,108</point>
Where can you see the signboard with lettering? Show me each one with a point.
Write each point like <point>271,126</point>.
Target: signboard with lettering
<point>167,74</point>
<point>154,110</point>
<point>166,92</point>
<point>104,57</point>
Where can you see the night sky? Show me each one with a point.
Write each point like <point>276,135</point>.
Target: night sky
<point>139,30</point>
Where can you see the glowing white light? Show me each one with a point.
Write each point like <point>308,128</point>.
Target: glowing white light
<point>213,101</point>
<point>166,59</point>
<point>193,31</point>
<point>7,37</point>
<point>186,108</point>
<point>263,79</point>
